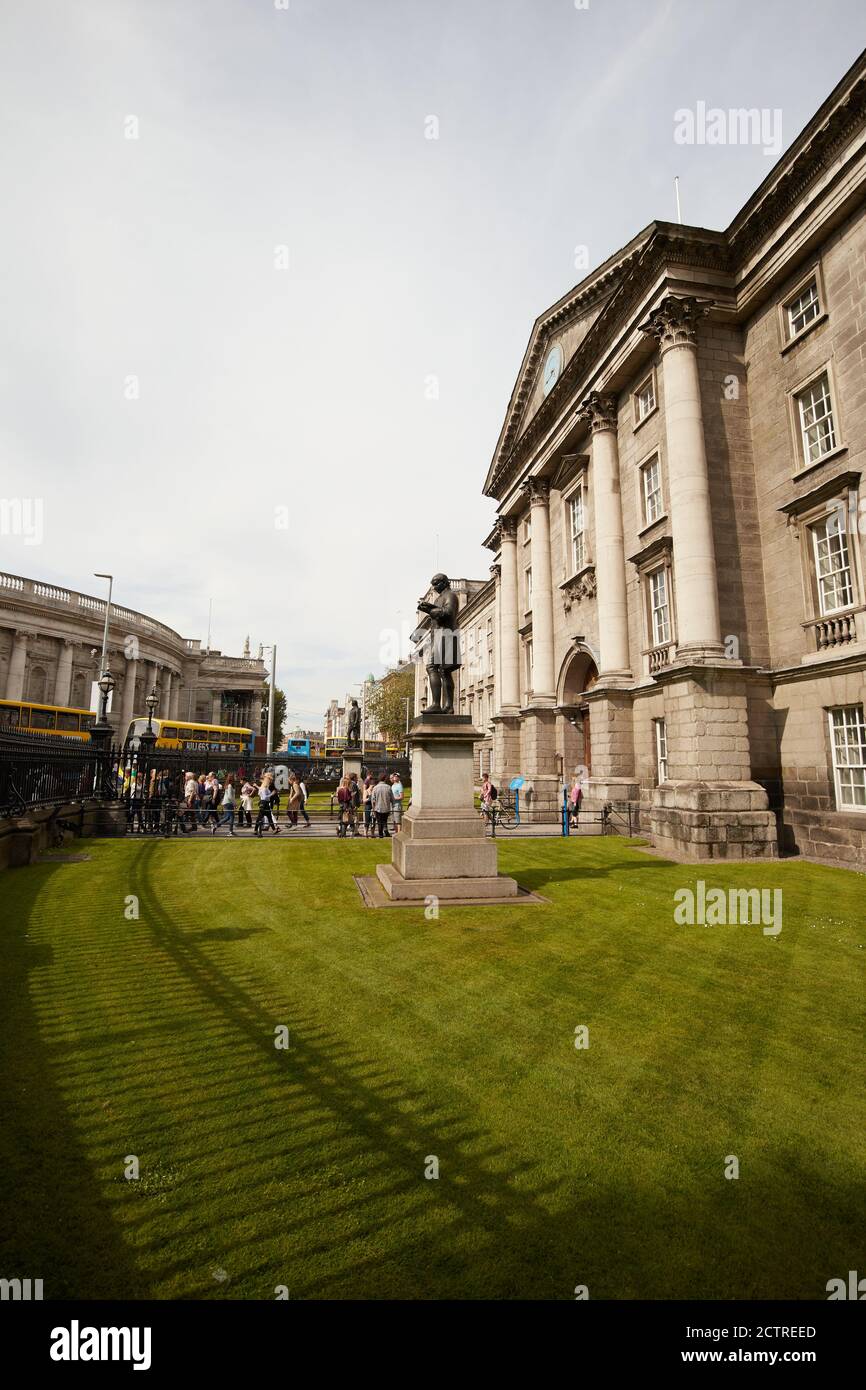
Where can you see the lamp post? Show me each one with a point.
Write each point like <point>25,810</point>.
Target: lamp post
<point>110,578</point>
<point>102,730</point>
<point>147,738</point>
<point>272,648</point>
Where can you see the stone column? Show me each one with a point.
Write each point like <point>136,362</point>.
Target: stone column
<point>674,325</point>
<point>543,677</point>
<point>151,678</point>
<point>17,666</point>
<point>128,708</point>
<point>165,693</point>
<point>600,412</point>
<point>216,706</point>
<point>63,679</point>
<point>175,695</point>
<point>509,637</point>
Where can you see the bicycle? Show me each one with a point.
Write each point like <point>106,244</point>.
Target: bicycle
<point>501,812</point>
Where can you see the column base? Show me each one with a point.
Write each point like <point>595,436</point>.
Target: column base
<point>713,820</point>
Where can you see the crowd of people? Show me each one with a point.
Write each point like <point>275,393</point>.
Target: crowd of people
<point>373,801</point>
<point>215,801</point>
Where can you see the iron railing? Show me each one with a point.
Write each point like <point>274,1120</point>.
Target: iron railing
<point>37,770</point>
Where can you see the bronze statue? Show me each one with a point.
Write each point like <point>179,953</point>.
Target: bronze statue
<point>353,726</point>
<point>442,645</point>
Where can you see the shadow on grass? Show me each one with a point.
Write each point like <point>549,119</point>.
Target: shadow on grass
<point>56,1224</point>
<point>316,1155</point>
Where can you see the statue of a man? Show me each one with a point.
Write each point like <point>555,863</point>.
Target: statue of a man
<point>443,648</point>
<point>353,725</point>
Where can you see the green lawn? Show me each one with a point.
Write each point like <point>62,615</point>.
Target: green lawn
<point>412,1038</point>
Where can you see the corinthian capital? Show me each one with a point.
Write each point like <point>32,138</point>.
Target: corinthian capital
<point>507,528</point>
<point>599,411</point>
<point>675,322</point>
<point>537,490</point>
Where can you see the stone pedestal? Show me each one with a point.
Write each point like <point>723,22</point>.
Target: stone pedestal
<point>352,762</point>
<point>442,850</point>
<point>713,820</point>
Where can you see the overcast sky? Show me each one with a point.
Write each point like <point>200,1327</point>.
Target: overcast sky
<point>155,265</point>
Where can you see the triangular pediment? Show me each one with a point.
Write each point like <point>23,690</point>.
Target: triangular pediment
<point>555,337</point>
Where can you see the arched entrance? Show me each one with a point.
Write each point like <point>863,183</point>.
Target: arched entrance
<point>579,673</point>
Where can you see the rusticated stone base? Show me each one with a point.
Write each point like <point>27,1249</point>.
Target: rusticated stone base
<point>713,820</point>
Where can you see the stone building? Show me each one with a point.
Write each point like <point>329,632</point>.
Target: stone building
<point>679,598</point>
<point>51,645</point>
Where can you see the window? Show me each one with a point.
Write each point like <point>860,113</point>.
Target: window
<point>803,309</point>
<point>661,729</point>
<point>528,651</point>
<point>168,731</point>
<point>42,719</point>
<point>848,735</point>
<point>470,654</point>
<point>644,400</point>
<point>527,588</point>
<point>481,710</point>
<point>651,487</point>
<point>577,528</point>
<point>527,529</point>
<point>832,565</point>
<point>67,722</point>
<point>660,617</point>
<point>815,416</point>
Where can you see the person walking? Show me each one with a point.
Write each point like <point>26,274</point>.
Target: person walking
<point>345,810</point>
<point>293,801</point>
<point>266,796</point>
<point>302,788</point>
<point>575,797</point>
<point>228,807</point>
<point>397,794</point>
<point>382,803</point>
<point>248,791</point>
<point>366,798</point>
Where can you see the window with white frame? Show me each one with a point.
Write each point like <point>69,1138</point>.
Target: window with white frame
<point>528,655</point>
<point>577,529</point>
<point>651,490</point>
<point>527,589</point>
<point>490,642</point>
<point>645,399</point>
<point>803,309</point>
<point>481,649</point>
<point>661,731</point>
<point>527,529</point>
<point>832,563</point>
<point>660,613</point>
<point>848,735</point>
<point>816,421</point>
<point>470,654</point>
<point>481,710</point>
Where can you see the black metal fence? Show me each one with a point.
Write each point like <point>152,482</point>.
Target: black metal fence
<point>37,770</point>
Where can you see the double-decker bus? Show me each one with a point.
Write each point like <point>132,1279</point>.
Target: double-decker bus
<point>198,738</point>
<point>62,721</point>
<point>303,748</point>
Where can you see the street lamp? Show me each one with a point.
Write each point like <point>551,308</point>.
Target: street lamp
<point>147,738</point>
<point>101,730</point>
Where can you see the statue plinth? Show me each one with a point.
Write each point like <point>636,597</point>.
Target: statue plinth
<point>352,762</point>
<point>442,849</point>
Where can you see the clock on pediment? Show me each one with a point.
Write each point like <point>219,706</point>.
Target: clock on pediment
<point>552,368</point>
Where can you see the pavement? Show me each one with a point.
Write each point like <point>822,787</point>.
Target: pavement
<point>326,830</point>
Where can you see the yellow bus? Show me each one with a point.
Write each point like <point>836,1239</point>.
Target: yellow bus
<point>198,738</point>
<point>62,720</point>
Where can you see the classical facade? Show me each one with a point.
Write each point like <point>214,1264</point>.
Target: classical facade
<point>678,597</point>
<point>51,644</point>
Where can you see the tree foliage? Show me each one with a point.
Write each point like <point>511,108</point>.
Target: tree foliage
<point>386,703</point>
